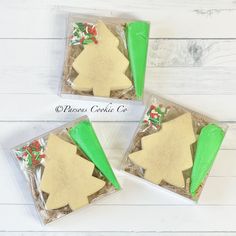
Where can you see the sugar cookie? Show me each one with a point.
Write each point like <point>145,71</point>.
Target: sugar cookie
<point>101,67</point>
<point>67,177</point>
<point>166,153</point>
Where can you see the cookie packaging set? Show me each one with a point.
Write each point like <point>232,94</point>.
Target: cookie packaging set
<point>105,57</point>
<point>174,147</point>
<point>66,169</point>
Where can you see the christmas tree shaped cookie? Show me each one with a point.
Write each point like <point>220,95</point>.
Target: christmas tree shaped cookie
<point>166,154</point>
<point>101,67</point>
<point>67,177</point>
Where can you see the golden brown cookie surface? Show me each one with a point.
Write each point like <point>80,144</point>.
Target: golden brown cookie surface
<point>67,177</point>
<point>101,67</point>
<point>166,153</point>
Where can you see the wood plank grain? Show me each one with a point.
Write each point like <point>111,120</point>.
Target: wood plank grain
<point>123,4</point>
<point>34,107</point>
<point>178,80</point>
<point>125,218</point>
<point>162,53</point>
<point>32,53</point>
<point>54,108</point>
<point>50,20</point>
<point>146,4</point>
<point>203,80</point>
<point>102,233</point>
<point>191,52</point>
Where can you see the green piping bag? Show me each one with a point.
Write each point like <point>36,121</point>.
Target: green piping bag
<point>137,36</point>
<point>85,138</point>
<point>208,145</point>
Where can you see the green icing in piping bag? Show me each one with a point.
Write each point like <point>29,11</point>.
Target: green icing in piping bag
<point>85,138</point>
<point>137,35</point>
<point>209,141</point>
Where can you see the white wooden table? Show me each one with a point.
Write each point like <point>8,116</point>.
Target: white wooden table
<point>192,60</point>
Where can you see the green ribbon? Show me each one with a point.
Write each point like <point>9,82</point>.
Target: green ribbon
<point>85,138</point>
<point>137,36</point>
<point>208,145</point>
